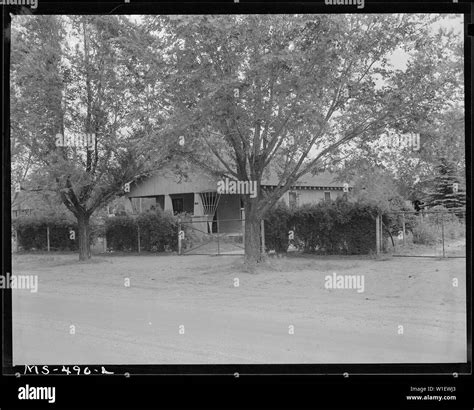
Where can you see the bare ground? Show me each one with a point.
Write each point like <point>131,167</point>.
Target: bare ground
<point>140,324</point>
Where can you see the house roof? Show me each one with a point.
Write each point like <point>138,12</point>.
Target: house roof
<point>322,179</point>
<point>170,181</point>
<point>26,200</point>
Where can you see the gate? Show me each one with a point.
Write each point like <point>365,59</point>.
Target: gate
<point>427,233</point>
<point>211,237</point>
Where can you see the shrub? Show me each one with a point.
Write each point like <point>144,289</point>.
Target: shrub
<point>277,226</point>
<point>454,228</point>
<point>427,228</point>
<point>32,232</point>
<point>329,227</point>
<point>359,230</point>
<point>158,231</point>
<point>394,222</point>
<point>453,225</point>
<point>121,233</point>
<point>425,233</point>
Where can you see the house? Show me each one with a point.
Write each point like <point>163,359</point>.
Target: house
<point>29,202</point>
<point>197,195</point>
<point>22,205</point>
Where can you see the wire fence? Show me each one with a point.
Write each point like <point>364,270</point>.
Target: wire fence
<point>51,238</point>
<point>428,233</point>
<point>150,233</point>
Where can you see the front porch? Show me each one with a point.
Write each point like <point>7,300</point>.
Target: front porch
<point>218,213</point>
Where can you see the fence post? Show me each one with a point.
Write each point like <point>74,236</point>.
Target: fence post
<point>442,231</point>
<point>403,224</point>
<point>242,215</point>
<point>377,234</point>
<point>381,247</point>
<point>138,235</point>
<point>262,230</point>
<point>47,238</point>
<point>15,243</point>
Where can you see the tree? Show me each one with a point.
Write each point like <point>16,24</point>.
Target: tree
<point>288,93</point>
<point>97,80</point>
<point>35,105</point>
<point>447,189</point>
<point>376,186</point>
<point>440,129</point>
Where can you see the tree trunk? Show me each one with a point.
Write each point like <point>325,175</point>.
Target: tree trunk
<point>84,236</point>
<point>253,237</point>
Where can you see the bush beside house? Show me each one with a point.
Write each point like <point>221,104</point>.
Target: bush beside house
<point>32,233</point>
<point>157,230</point>
<point>329,227</point>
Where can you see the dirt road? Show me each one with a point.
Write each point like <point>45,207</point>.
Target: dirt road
<point>187,310</point>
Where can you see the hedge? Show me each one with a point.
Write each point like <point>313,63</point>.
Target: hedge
<point>121,233</point>
<point>32,233</point>
<point>329,227</point>
<point>158,232</point>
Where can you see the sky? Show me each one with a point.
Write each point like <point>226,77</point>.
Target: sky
<point>454,22</point>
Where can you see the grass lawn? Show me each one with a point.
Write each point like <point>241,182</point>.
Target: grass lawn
<point>140,324</point>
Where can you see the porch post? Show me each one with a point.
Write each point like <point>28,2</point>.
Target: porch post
<point>168,203</point>
<point>198,208</point>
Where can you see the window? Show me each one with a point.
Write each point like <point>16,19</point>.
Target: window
<point>110,211</point>
<point>178,205</point>
<point>19,212</point>
<point>327,196</point>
